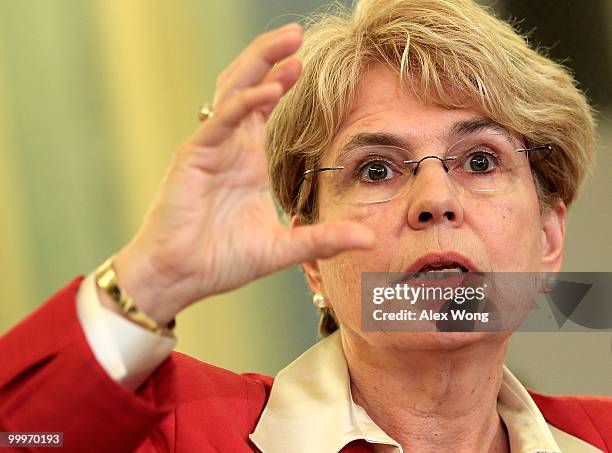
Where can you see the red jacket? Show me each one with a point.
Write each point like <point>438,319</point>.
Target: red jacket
<point>50,381</point>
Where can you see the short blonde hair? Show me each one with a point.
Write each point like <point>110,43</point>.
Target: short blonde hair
<point>453,53</point>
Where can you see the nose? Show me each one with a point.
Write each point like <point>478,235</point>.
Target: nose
<point>433,198</point>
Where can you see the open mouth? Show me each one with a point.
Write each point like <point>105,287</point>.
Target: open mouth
<point>447,261</point>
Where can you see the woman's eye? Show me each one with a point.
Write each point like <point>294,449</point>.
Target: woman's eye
<point>375,171</point>
<point>479,163</point>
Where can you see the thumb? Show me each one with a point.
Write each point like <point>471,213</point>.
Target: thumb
<point>324,240</point>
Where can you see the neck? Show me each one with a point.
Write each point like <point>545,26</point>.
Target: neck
<point>431,400</point>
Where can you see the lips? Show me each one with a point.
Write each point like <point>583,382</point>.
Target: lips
<point>442,261</point>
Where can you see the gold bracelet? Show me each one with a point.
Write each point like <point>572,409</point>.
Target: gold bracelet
<point>106,279</point>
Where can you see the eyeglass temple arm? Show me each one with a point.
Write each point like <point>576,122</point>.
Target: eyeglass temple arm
<point>315,170</point>
<point>546,147</point>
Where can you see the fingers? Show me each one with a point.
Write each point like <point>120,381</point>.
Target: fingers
<point>252,82</point>
<point>258,58</point>
<point>286,73</point>
<point>321,241</point>
<point>231,68</point>
<point>229,116</point>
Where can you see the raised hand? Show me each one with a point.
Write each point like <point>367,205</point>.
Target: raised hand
<point>213,226</point>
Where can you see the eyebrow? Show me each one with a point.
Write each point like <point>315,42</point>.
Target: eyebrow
<point>478,124</point>
<point>459,129</point>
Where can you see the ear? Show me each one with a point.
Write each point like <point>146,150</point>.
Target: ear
<point>311,268</point>
<point>553,237</point>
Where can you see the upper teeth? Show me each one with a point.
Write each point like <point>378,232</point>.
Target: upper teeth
<point>442,272</point>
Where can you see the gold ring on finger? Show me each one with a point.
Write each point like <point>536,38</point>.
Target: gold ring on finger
<point>206,112</point>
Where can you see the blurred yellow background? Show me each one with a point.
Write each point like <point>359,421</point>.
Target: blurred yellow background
<point>95,95</point>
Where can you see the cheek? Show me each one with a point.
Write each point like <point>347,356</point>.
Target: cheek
<point>341,279</point>
<point>510,232</point>
<point>386,224</point>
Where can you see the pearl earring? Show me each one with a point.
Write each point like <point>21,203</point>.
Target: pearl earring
<point>550,283</point>
<point>547,284</point>
<point>319,300</point>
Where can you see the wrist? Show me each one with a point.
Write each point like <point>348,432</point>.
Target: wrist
<point>148,291</point>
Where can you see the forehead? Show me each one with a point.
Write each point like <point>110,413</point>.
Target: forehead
<point>382,105</point>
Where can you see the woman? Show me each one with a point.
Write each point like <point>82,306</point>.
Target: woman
<point>419,77</point>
